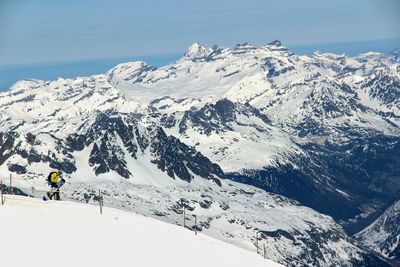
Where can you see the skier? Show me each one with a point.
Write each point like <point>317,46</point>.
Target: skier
<point>53,179</point>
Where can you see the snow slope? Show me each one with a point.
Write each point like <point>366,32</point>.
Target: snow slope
<point>232,212</point>
<point>37,233</point>
<point>383,235</point>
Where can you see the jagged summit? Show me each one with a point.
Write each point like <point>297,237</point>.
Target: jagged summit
<point>198,50</point>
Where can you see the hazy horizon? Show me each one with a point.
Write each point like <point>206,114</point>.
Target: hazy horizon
<point>48,39</point>
<point>10,74</point>
<point>46,30</point>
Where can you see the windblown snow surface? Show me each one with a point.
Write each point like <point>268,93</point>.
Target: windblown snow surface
<point>37,233</point>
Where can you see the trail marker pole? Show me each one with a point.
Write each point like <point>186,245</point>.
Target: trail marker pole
<point>101,202</point>
<point>265,255</point>
<point>257,241</point>
<point>195,224</point>
<point>10,190</point>
<point>1,193</point>
<point>184,217</point>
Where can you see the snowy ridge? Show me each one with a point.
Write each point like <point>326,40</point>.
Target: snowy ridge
<point>383,235</point>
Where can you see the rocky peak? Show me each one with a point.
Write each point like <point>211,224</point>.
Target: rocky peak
<point>275,43</point>
<point>196,51</point>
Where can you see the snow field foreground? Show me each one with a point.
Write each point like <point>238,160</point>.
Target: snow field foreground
<point>37,233</point>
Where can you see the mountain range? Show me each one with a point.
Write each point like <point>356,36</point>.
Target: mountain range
<point>244,136</point>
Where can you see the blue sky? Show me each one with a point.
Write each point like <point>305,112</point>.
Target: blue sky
<point>53,31</point>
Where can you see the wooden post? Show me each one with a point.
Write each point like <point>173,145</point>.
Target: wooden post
<point>257,241</point>
<point>184,217</point>
<point>100,202</point>
<point>265,255</point>
<point>195,224</point>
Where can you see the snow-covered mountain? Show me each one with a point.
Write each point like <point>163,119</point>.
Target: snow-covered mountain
<point>300,119</point>
<point>84,238</point>
<point>383,235</point>
<point>321,129</point>
<point>290,114</point>
<point>144,170</point>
